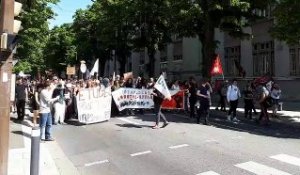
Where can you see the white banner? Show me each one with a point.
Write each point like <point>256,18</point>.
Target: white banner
<point>133,98</point>
<point>94,104</point>
<point>162,87</point>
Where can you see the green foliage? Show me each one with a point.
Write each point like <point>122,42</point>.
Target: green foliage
<point>33,37</point>
<point>201,17</point>
<point>287,25</point>
<point>60,48</point>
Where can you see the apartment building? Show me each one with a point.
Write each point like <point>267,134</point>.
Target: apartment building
<point>179,60</point>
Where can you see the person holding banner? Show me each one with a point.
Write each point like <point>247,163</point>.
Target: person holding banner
<point>158,99</point>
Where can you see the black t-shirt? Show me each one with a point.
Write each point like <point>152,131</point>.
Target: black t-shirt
<point>20,91</point>
<point>159,98</point>
<point>204,91</point>
<point>248,95</point>
<point>193,91</point>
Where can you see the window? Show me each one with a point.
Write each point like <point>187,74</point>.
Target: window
<point>232,57</point>
<point>163,54</point>
<point>163,67</point>
<point>177,51</point>
<point>294,62</point>
<point>263,58</point>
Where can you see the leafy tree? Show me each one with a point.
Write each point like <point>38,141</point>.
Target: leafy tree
<point>60,49</point>
<point>153,20</point>
<point>33,37</point>
<point>104,27</point>
<point>87,41</point>
<point>201,17</point>
<point>287,21</point>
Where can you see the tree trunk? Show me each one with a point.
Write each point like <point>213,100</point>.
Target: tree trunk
<point>208,48</point>
<point>102,67</point>
<point>151,54</point>
<point>122,62</point>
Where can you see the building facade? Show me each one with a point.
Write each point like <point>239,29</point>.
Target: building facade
<point>179,60</point>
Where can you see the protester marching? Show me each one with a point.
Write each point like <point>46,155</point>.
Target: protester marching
<point>56,101</point>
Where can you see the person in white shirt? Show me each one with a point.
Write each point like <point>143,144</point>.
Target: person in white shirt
<point>233,95</point>
<point>45,113</point>
<point>275,94</point>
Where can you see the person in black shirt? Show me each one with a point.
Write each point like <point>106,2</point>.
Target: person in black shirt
<point>158,99</point>
<point>203,94</point>
<point>192,96</point>
<point>248,100</point>
<point>21,98</point>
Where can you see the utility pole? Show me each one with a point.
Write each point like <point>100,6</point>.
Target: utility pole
<point>6,64</point>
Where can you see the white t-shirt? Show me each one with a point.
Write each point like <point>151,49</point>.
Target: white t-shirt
<point>233,93</point>
<point>45,100</point>
<point>276,93</point>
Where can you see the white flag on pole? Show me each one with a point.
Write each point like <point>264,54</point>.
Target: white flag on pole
<point>114,77</point>
<point>95,68</point>
<point>162,87</point>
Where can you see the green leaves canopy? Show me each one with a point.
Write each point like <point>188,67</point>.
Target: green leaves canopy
<point>33,37</point>
<point>287,23</point>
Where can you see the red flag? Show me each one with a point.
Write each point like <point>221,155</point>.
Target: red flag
<point>217,67</point>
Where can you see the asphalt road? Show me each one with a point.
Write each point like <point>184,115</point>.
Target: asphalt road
<point>129,146</point>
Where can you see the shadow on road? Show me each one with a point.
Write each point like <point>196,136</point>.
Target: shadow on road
<point>21,133</point>
<point>128,125</point>
<point>276,128</point>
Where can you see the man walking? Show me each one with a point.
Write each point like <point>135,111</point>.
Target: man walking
<point>21,98</point>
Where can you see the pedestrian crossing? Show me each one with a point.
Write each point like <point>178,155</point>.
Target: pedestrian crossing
<point>260,169</point>
<point>287,159</point>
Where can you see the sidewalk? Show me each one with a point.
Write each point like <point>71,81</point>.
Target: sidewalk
<point>52,159</point>
<point>290,113</point>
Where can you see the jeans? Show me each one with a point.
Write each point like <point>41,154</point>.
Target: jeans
<point>233,106</point>
<point>192,107</point>
<point>21,109</point>
<point>45,124</point>
<point>203,110</point>
<point>157,108</point>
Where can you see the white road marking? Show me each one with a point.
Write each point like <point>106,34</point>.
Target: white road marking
<point>140,153</point>
<point>96,163</point>
<point>237,137</point>
<point>209,173</point>
<point>178,146</point>
<point>128,121</point>
<point>260,169</point>
<point>210,140</point>
<point>287,159</point>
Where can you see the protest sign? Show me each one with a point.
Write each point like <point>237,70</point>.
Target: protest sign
<point>71,70</point>
<point>162,87</point>
<point>94,104</point>
<point>176,102</point>
<point>132,98</point>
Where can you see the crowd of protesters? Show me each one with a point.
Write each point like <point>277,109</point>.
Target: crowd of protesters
<point>53,101</point>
